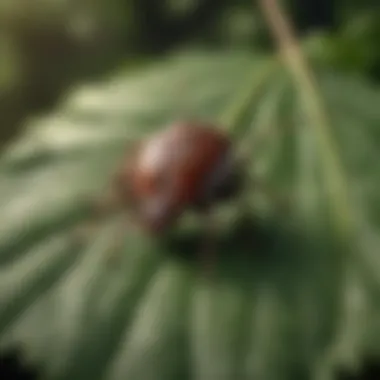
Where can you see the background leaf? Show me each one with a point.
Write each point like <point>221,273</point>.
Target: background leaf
<point>286,302</point>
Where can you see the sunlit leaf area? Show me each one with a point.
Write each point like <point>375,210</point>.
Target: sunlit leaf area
<point>294,292</point>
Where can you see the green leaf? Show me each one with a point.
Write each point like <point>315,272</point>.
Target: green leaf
<point>285,301</point>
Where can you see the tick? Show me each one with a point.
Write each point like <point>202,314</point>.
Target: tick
<point>188,165</point>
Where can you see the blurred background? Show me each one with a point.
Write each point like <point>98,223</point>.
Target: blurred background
<point>49,46</point>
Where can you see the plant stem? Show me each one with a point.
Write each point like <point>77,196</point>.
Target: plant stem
<point>304,80</point>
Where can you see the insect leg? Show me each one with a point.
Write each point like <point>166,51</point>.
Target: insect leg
<point>114,252</point>
<point>208,248</point>
<point>99,208</point>
<point>282,202</point>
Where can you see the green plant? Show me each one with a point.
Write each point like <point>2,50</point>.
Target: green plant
<point>288,302</point>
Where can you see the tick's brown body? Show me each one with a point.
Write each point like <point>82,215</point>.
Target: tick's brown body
<point>187,165</point>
